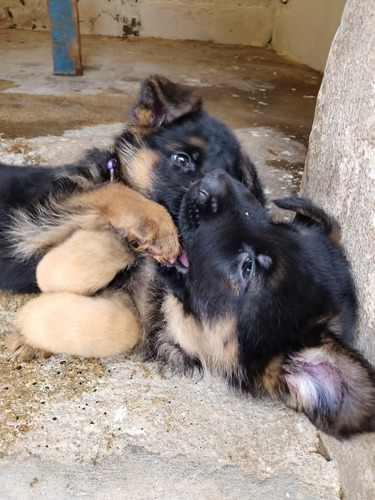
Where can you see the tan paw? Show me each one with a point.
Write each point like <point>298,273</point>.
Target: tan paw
<point>156,234</point>
<point>19,350</point>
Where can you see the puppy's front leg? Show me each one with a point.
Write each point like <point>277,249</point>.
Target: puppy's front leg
<point>142,221</point>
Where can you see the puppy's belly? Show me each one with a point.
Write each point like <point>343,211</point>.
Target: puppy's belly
<point>66,323</point>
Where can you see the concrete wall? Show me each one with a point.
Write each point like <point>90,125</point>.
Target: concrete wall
<point>304,29</point>
<point>301,29</point>
<point>340,176</point>
<point>225,21</point>
<point>248,22</point>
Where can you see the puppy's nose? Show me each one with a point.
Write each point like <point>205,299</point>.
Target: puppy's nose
<point>210,190</point>
<point>213,184</point>
<point>203,195</point>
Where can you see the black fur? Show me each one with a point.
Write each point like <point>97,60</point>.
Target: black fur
<point>24,190</point>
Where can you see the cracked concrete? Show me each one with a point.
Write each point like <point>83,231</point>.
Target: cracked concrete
<point>118,428</point>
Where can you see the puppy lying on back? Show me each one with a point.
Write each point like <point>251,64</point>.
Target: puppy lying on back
<point>269,306</point>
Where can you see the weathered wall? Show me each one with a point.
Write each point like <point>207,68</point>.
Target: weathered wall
<point>112,18</point>
<point>300,29</point>
<point>24,14</point>
<point>248,22</point>
<point>340,176</point>
<point>304,29</point>
<point>226,21</point>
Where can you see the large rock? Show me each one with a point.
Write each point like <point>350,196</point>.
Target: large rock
<point>340,166</point>
<point>340,176</point>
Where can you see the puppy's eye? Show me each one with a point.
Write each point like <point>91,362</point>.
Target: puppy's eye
<point>182,160</point>
<point>247,268</point>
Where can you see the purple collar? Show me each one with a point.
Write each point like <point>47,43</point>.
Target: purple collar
<point>111,166</point>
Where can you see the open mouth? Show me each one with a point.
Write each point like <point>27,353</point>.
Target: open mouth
<point>182,259</point>
<point>181,263</point>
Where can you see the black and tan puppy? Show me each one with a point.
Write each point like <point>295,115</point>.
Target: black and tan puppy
<point>269,306</point>
<point>82,225</point>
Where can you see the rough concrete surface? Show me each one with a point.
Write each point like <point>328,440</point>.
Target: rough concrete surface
<point>118,428</point>
<point>340,176</point>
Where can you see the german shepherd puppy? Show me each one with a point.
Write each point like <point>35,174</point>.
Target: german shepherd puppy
<point>75,228</point>
<point>269,306</point>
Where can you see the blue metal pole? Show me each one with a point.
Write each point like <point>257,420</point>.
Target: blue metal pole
<point>66,46</point>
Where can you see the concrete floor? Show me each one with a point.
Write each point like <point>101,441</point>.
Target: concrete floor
<point>117,428</point>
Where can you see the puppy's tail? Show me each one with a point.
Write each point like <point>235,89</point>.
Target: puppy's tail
<point>309,213</point>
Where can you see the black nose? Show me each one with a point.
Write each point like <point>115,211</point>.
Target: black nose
<point>209,190</point>
<point>213,184</point>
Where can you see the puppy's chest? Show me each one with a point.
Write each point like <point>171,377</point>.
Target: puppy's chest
<point>214,344</point>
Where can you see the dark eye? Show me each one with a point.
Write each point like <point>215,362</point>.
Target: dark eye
<point>247,268</point>
<point>182,160</point>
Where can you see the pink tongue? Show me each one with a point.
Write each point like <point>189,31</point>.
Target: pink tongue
<point>183,258</point>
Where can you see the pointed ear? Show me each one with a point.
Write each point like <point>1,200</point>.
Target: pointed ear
<point>161,101</point>
<point>309,213</point>
<point>251,179</point>
<point>333,385</point>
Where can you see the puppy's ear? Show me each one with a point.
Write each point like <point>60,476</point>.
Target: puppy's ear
<point>250,178</point>
<point>161,101</point>
<point>332,384</point>
<point>308,213</point>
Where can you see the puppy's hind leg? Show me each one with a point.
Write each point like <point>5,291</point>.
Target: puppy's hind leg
<point>66,323</point>
<point>86,262</point>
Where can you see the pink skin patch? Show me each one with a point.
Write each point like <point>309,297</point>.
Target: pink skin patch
<point>311,376</point>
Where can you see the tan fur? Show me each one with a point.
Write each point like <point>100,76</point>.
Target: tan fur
<point>17,349</point>
<point>184,101</point>
<point>198,142</point>
<point>115,205</point>
<point>139,170</point>
<point>48,313</point>
<point>271,377</point>
<point>30,238</point>
<point>158,88</point>
<point>141,220</point>
<point>84,263</point>
<point>141,286</point>
<point>144,119</point>
<point>99,326</point>
<point>86,326</point>
<point>215,345</point>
